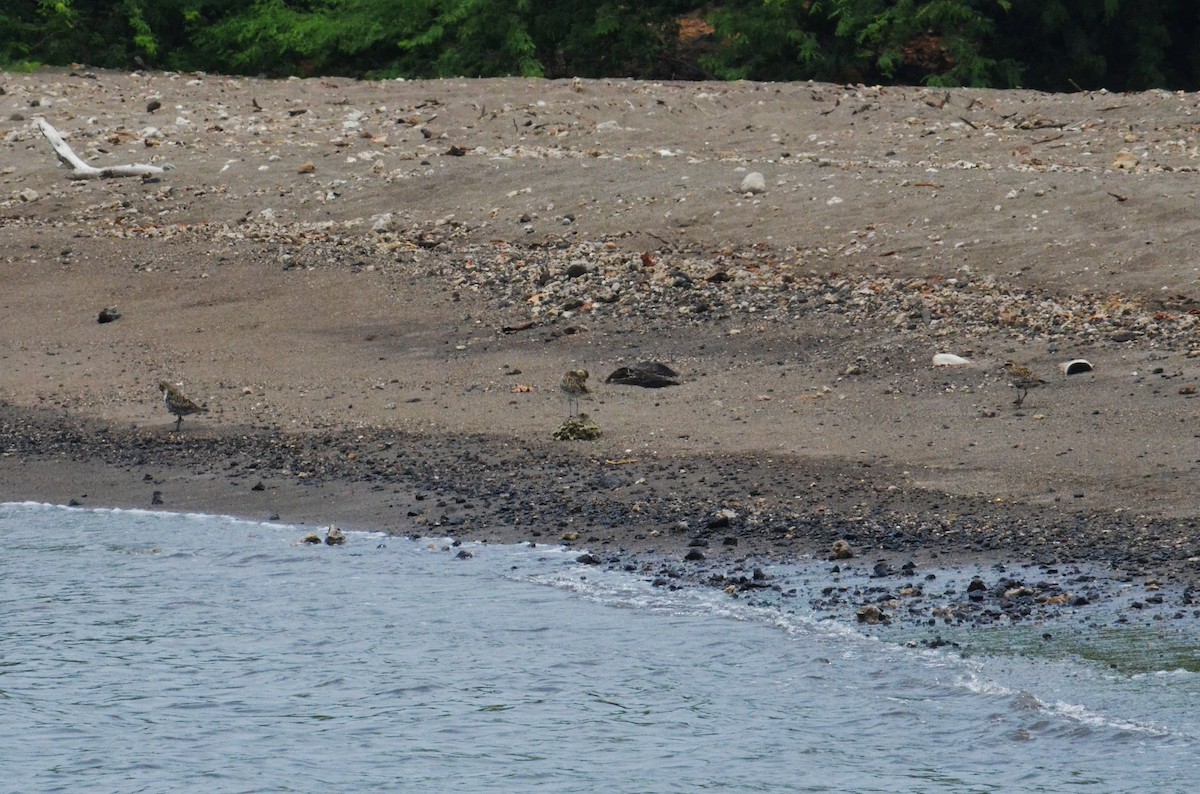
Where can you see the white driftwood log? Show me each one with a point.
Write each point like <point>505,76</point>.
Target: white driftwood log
<point>81,170</point>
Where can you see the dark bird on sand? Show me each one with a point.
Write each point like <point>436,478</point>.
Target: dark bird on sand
<point>176,403</point>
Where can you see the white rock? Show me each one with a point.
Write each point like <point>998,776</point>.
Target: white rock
<point>754,183</point>
<point>949,360</point>
<point>28,194</point>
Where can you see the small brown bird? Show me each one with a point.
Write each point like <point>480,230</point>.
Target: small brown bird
<point>574,386</point>
<point>1022,380</point>
<point>176,403</point>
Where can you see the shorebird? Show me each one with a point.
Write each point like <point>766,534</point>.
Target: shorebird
<point>1022,380</point>
<point>574,386</point>
<point>176,403</point>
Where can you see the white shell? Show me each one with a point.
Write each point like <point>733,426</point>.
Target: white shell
<point>1075,366</point>
<point>949,360</point>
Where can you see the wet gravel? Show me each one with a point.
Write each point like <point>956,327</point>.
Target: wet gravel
<point>730,522</point>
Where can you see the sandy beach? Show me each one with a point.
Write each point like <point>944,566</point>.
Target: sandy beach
<point>375,287</point>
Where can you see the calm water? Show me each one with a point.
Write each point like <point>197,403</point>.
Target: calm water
<point>159,652</point>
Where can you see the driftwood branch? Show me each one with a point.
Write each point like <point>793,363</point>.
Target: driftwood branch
<point>81,170</point>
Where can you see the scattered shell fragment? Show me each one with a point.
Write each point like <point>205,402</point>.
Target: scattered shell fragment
<point>1075,366</point>
<point>949,360</point>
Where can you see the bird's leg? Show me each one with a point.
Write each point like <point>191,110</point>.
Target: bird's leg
<point>1020,397</point>
<point>178,422</point>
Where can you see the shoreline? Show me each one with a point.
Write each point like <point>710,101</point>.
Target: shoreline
<point>909,570</point>
<point>376,287</point>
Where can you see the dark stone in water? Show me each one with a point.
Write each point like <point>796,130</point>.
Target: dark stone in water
<point>976,585</point>
<point>718,522</point>
<point>588,559</point>
<point>695,555</point>
<point>463,554</point>
<point>881,569</point>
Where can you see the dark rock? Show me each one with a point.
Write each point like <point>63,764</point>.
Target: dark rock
<point>108,314</point>
<point>463,554</point>
<point>729,540</point>
<point>588,558</point>
<point>871,614</point>
<point>694,555</point>
<point>881,569</point>
<point>258,486</point>
<point>841,550</point>
<point>647,374</point>
<point>718,522</point>
<point>156,498</point>
<point>976,585</point>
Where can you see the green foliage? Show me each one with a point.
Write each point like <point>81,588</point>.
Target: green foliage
<point>1052,44</point>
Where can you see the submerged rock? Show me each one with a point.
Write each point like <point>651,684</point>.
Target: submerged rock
<point>334,536</point>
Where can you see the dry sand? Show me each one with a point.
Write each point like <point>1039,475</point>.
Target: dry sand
<point>370,286</point>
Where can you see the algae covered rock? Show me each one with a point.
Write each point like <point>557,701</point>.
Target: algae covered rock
<point>580,427</point>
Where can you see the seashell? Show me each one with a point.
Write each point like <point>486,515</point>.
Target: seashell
<point>949,360</point>
<point>1074,366</point>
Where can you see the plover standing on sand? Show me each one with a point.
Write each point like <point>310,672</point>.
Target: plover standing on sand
<point>1022,380</point>
<point>574,386</point>
<point>176,403</point>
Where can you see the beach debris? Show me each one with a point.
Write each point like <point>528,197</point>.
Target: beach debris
<point>841,550</point>
<point>81,170</point>
<point>1125,161</point>
<point>1075,367</point>
<point>108,314</point>
<point>754,183</point>
<point>950,360</point>
<point>579,427</point>
<point>871,614</point>
<point>334,536</point>
<point>647,374</point>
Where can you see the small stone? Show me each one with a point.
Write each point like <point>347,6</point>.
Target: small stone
<point>588,559</point>
<point>108,314</point>
<point>463,554</point>
<point>28,194</point>
<point>695,555</point>
<point>258,486</point>
<point>841,550</point>
<point>311,538</point>
<point>754,183</point>
<point>306,168</point>
<point>871,614</point>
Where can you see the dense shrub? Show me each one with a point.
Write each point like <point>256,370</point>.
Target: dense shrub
<point>1050,44</point>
